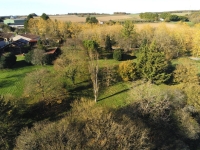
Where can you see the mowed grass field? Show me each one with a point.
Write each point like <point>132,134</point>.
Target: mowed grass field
<point>12,80</point>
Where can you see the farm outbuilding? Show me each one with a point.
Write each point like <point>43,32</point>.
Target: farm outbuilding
<point>15,23</point>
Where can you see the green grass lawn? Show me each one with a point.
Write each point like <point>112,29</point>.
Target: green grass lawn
<point>12,80</point>
<point>115,96</point>
<point>108,62</point>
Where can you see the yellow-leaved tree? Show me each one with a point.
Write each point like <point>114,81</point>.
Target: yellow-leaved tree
<point>196,42</point>
<point>182,33</point>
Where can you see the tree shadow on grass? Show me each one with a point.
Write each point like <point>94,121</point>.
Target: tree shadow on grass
<point>55,111</point>
<point>122,91</point>
<point>14,76</point>
<point>6,83</point>
<point>21,64</point>
<point>128,57</point>
<point>83,89</point>
<point>43,111</point>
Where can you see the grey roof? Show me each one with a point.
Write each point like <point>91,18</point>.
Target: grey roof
<point>17,22</point>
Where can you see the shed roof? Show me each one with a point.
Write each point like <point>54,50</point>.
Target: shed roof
<point>6,35</point>
<point>30,36</point>
<point>14,21</point>
<point>18,37</point>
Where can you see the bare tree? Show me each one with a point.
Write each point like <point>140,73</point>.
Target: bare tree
<point>94,70</point>
<point>93,55</point>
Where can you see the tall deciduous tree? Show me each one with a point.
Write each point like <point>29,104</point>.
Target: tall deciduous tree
<point>186,73</point>
<point>42,85</point>
<point>128,34</point>
<point>152,64</point>
<point>26,21</point>
<point>71,64</point>
<point>93,66</point>
<point>195,42</point>
<point>166,42</point>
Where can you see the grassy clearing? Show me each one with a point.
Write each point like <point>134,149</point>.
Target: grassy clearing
<point>12,80</point>
<point>108,62</point>
<point>115,96</point>
<point>12,83</point>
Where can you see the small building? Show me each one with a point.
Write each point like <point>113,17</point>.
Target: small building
<point>101,22</point>
<point>15,23</point>
<point>17,44</point>
<point>7,36</point>
<point>161,19</point>
<point>30,38</point>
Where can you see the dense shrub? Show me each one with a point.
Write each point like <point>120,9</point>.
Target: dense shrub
<point>7,60</point>
<point>186,73</point>
<point>28,57</point>
<point>128,70</point>
<point>153,119</point>
<point>38,57</point>
<point>92,127</point>
<point>117,54</point>
<point>91,20</point>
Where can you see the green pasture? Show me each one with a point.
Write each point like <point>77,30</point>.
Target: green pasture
<point>115,95</point>
<point>12,80</point>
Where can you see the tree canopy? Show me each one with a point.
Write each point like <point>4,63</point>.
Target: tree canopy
<point>91,20</point>
<point>44,16</point>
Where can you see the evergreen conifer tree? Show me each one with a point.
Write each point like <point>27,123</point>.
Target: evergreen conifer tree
<point>152,64</point>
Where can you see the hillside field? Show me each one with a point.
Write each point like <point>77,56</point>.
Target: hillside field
<point>103,17</point>
<point>75,18</point>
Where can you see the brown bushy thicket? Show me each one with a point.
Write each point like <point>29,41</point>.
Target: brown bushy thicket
<point>153,119</point>
<point>186,73</point>
<point>86,127</point>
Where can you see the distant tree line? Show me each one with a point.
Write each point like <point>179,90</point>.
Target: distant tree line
<point>178,11</point>
<point>86,14</point>
<point>121,13</point>
<point>149,16</point>
<point>166,16</point>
